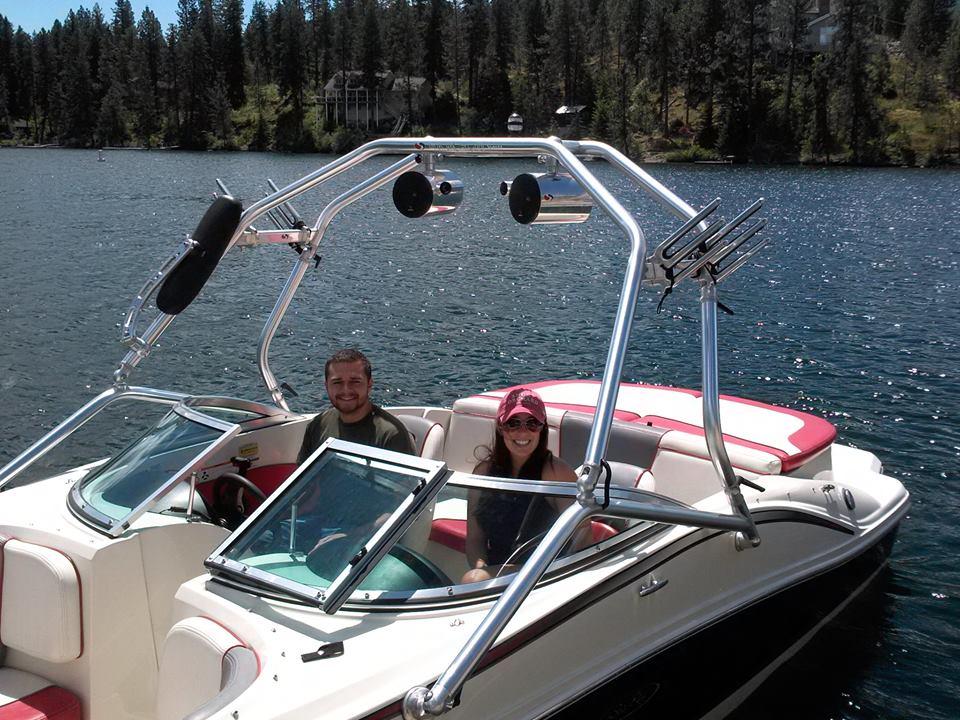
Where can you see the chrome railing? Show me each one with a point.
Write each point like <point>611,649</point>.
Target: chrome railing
<point>77,420</point>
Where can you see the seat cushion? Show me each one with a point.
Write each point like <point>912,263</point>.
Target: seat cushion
<point>427,436</point>
<point>40,610</point>
<point>25,696</point>
<point>191,666</point>
<point>451,533</point>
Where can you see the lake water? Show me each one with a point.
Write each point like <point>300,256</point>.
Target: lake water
<point>852,313</point>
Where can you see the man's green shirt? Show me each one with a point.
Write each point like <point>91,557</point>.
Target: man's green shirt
<point>379,429</point>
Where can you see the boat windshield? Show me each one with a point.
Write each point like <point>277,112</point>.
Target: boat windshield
<point>118,492</point>
<point>321,535</point>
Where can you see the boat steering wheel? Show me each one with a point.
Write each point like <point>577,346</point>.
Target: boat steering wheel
<point>231,512</point>
<point>425,569</point>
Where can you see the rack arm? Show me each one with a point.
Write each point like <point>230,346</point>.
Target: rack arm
<point>419,702</point>
<point>711,409</point>
<point>303,262</point>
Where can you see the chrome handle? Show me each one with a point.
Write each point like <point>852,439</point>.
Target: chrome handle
<point>651,587</point>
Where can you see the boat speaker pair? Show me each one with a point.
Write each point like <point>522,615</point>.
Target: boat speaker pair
<point>416,194</point>
<point>539,198</point>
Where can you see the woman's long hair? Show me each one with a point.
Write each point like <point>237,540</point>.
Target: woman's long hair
<point>499,457</point>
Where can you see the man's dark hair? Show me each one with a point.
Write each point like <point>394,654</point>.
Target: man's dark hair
<point>348,355</point>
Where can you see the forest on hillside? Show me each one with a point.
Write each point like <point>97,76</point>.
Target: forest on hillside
<point>683,79</point>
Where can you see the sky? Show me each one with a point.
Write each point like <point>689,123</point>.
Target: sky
<point>32,15</point>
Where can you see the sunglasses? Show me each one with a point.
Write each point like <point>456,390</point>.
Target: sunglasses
<point>531,424</point>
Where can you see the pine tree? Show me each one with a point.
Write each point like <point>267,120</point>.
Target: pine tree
<point>476,30</point>
<point>433,65</point>
<point>149,68</point>
<point>403,49</point>
<point>290,65</point>
<point>172,66</point>
<point>371,46</point>
<point>344,45</point>
<point>98,45</point>
<point>44,70</point>
<point>79,96</point>
<point>861,126</point>
<point>195,66</point>
<point>923,35</point>
<point>230,13</point>
<point>818,141</point>
<point>318,48</point>
<point>742,108</point>
<point>111,123</point>
<point>8,70</point>
<point>563,40</point>
<point>788,25</point>
<point>454,34</point>
<point>661,53</point>
<point>494,79</point>
<point>892,13</point>
<point>23,100</point>
<point>950,60</point>
<point>534,95</point>
<point>4,106</point>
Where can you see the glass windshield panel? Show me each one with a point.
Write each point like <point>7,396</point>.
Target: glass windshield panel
<point>309,535</point>
<point>139,471</point>
<point>480,534</point>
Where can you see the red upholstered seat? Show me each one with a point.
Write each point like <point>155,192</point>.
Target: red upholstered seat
<point>601,531</point>
<point>453,533</point>
<point>49,703</point>
<point>268,478</point>
<point>23,695</point>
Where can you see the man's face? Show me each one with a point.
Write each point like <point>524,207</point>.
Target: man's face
<point>348,388</point>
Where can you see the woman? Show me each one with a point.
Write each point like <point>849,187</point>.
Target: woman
<point>499,522</point>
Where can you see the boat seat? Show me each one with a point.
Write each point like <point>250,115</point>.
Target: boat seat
<point>203,668</point>
<point>25,696</point>
<point>40,617</point>
<point>453,533</point>
<point>428,436</point>
<point>40,603</point>
<point>628,443</point>
<point>633,476</point>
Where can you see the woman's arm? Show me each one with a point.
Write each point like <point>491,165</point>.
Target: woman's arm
<point>558,470</point>
<point>476,537</point>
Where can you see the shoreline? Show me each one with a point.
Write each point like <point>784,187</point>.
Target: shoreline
<point>646,159</point>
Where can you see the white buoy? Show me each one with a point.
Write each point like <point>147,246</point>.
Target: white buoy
<point>100,157</point>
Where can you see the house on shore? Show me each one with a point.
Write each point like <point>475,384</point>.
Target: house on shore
<point>822,22</point>
<point>395,100</point>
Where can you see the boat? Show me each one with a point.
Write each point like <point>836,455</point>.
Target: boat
<point>202,572</point>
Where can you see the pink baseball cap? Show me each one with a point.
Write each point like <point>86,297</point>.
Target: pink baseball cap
<point>521,400</point>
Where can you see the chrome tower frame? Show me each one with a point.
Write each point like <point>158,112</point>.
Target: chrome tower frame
<point>699,259</point>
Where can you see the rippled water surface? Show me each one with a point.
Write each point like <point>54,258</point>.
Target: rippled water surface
<point>852,313</point>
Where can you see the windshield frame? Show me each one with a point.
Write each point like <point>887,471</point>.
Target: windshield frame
<point>432,475</point>
<point>115,527</point>
<point>250,579</point>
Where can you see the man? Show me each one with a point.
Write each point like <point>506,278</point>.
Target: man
<point>349,378</point>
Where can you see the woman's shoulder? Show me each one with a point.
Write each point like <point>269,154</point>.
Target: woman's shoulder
<point>482,468</point>
<point>557,469</point>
